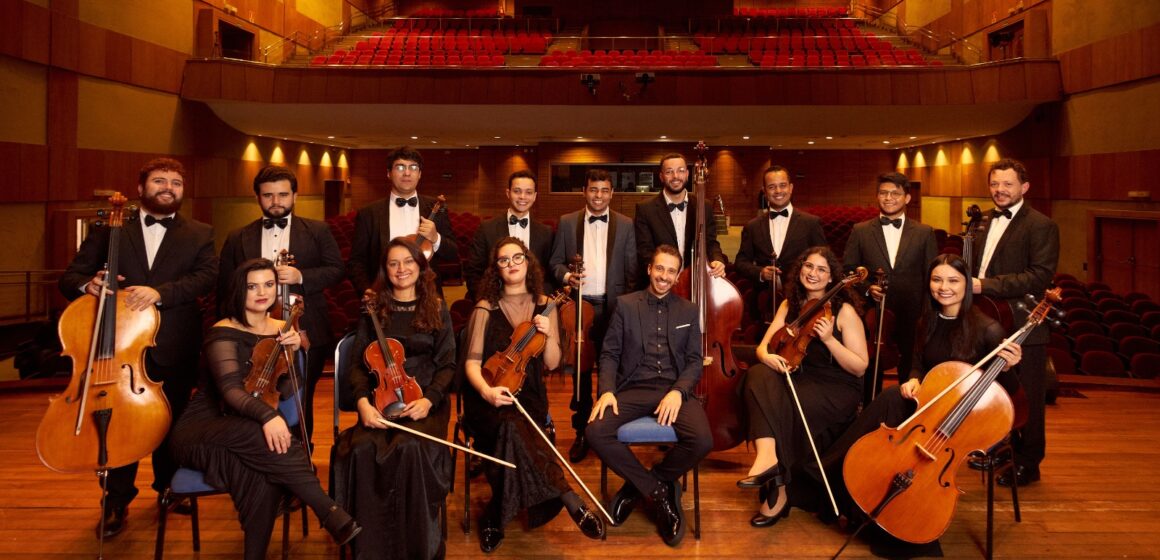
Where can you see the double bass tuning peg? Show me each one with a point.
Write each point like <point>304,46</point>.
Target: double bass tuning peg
<point>1031,299</point>
<point>1056,323</point>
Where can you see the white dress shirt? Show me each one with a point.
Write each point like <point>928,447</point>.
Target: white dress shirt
<point>153,235</point>
<point>275,239</point>
<point>595,255</point>
<point>679,218</point>
<point>893,237</point>
<point>405,219</point>
<point>994,234</point>
<point>777,229</point>
<point>523,233</point>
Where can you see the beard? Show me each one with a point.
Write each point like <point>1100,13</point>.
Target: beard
<point>277,211</point>
<point>673,190</point>
<point>155,206</point>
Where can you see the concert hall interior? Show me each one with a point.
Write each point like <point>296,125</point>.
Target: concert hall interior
<point>838,94</point>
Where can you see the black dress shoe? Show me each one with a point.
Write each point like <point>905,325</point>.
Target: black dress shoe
<point>588,522</point>
<point>341,526</point>
<point>114,522</point>
<point>623,503</point>
<point>579,449</point>
<point>760,479</point>
<point>490,538</point>
<point>1024,475</point>
<point>670,518</point>
<point>769,495</point>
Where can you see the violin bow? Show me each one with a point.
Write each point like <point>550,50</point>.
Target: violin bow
<point>881,274</point>
<point>810,438</point>
<point>390,424</point>
<point>560,457</point>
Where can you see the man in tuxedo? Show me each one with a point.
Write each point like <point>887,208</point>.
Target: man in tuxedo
<point>403,212</point>
<point>903,249</point>
<point>516,222</point>
<point>650,364</point>
<point>607,244</point>
<point>166,261</point>
<point>673,210</point>
<point>317,264</point>
<point>1016,256</point>
<point>770,243</point>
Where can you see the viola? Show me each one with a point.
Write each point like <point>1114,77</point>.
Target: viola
<point>719,310</point>
<point>111,414</point>
<point>286,298</point>
<point>996,309</point>
<point>792,339</point>
<point>385,358</point>
<point>576,318</point>
<point>507,367</point>
<point>269,361</point>
<point>425,245</point>
<point>904,477</point>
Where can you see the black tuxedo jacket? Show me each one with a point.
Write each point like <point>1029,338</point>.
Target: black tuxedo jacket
<point>489,233</point>
<point>1023,263</point>
<point>756,251</point>
<point>621,263</point>
<point>654,226</point>
<point>318,258</point>
<point>624,343</point>
<point>907,278</point>
<point>184,269</point>
<point>371,232</point>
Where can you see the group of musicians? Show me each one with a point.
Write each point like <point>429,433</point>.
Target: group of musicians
<point>648,346</point>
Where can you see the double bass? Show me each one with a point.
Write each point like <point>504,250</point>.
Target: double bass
<point>996,309</point>
<point>111,414</point>
<point>880,322</point>
<point>719,310</point>
<point>904,477</point>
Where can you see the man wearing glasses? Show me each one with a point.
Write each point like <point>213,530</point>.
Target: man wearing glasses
<point>401,213</point>
<point>903,248</point>
<point>771,242</point>
<point>607,244</point>
<point>658,220</point>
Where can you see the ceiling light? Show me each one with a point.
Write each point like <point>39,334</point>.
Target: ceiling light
<point>829,138</point>
<point>434,142</point>
<point>885,141</point>
<point>913,137</point>
<point>745,138</point>
<point>330,138</point>
<point>811,142</point>
<point>496,137</point>
<point>414,138</point>
<point>579,137</point>
<point>663,137</point>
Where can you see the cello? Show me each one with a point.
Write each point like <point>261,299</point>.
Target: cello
<point>904,477</point>
<point>385,358</point>
<point>106,341</point>
<point>719,309</point>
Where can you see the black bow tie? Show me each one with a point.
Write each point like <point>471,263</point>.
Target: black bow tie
<point>775,214</point>
<point>680,206</point>
<point>401,202</point>
<point>165,222</point>
<point>896,222</point>
<point>603,218</point>
<point>995,213</point>
<point>271,222</point>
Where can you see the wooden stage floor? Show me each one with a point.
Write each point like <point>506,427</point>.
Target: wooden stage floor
<point>1095,501</point>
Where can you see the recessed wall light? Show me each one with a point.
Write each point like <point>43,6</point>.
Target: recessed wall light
<point>663,137</point>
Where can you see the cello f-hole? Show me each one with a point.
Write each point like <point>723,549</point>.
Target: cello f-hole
<point>942,481</point>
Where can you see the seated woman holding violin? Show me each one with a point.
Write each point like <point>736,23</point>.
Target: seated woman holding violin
<point>512,299</point>
<point>828,380</point>
<point>396,483</point>
<point>949,328</point>
<point>240,442</point>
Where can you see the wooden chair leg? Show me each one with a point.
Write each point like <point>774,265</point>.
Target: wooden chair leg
<point>286,535</point>
<point>697,501</point>
<point>162,511</point>
<point>196,525</point>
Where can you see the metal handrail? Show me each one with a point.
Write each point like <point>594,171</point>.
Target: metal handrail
<point>47,277</point>
<point>950,40</point>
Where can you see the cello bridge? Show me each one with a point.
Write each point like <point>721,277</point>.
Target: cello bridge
<point>924,452</point>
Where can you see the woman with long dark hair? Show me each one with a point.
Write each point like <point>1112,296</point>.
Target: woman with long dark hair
<point>828,383</point>
<point>241,443</point>
<point>396,483</point>
<point>511,293</point>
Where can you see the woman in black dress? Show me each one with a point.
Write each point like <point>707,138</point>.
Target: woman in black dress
<point>828,384</point>
<point>950,328</point>
<point>511,294</point>
<point>241,443</point>
<point>396,483</point>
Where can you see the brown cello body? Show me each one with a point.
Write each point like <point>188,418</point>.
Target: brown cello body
<point>917,451</point>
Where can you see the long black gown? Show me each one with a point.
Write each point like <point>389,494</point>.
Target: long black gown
<point>220,434</point>
<point>394,483</point>
<point>829,397</point>
<point>503,432</point>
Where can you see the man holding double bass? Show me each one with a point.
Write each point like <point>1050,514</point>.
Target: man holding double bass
<point>166,261</point>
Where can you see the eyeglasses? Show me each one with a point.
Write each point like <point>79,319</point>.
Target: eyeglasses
<point>893,195</point>
<point>516,259</point>
<point>671,172</point>
<point>401,167</point>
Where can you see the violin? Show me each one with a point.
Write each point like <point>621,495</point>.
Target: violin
<point>507,368</point>
<point>576,318</point>
<point>285,298</point>
<point>425,245</point>
<point>904,477</point>
<point>385,358</point>
<point>111,414</point>
<point>792,339</point>
<point>879,322</point>
<point>996,309</point>
<point>269,361</point>
<point>719,309</point>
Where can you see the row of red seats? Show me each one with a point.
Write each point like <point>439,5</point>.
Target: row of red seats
<point>448,13</point>
<point>628,58</point>
<point>796,12</point>
<point>770,60</point>
<point>1104,333</point>
<point>437,58</point>
<point>738,44</point>
<point>776,27</point>
<point>514,44</point>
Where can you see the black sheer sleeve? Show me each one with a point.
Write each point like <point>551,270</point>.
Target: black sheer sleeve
<point>444,356</point>
<point>361,383</point>
<point>229,374</point>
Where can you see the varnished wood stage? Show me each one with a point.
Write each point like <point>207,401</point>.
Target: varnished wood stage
<point>1096,500</point>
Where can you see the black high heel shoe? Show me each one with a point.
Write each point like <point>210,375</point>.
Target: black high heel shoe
<point>759,480</point>
<point>769,495</point>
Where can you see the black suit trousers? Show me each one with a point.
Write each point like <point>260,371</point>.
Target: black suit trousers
<point>694,440</point>
<point>581,403</point>
<point>1031,440</point>
<point>315,361</point>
